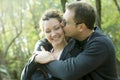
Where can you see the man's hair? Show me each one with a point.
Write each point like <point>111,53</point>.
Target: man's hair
<point>83,13</point>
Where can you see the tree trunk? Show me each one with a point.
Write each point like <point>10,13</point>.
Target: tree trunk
<point>117,5</point>
<point>98,7</point>
<point>63,2</point>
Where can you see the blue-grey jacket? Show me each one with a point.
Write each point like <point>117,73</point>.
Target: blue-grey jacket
<point>30,71</point>
<point>96,61</point>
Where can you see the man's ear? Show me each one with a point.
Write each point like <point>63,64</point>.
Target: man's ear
<point>80,27</point>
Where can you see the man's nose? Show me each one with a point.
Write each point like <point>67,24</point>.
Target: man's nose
<point>62,24</point>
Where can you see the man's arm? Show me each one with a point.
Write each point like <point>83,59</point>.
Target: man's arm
<point>87,61</point>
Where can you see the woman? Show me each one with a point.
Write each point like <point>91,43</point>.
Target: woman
<point>50,24</point>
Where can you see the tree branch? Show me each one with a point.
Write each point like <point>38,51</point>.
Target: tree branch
<point>117,5</point>
<point>98,7</point>
<point>63,2</point>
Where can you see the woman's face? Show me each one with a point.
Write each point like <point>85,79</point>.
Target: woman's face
<point>53,31</point>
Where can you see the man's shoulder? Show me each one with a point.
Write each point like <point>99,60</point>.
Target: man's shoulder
<point>99,35</point>
<point>101,39</point>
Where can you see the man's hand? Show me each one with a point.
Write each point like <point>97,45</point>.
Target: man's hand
<point>43,56</point>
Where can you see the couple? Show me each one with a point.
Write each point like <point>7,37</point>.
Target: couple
<point>87,55</point>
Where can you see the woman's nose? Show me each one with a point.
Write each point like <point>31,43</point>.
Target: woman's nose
<point>53,33</point>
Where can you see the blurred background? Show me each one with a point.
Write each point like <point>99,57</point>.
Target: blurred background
<point>19,29</point>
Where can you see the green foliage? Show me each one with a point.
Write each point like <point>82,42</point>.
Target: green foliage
<point>20,20</point>
<point>19,30</point>
<point>4,72</point>
<point>111,24</point>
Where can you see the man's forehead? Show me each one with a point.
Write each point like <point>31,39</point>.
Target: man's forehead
<point>69,14</point>
<point>65,15</point>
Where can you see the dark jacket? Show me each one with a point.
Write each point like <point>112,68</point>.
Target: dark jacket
<point>97,61</point>
<point>30,71</point>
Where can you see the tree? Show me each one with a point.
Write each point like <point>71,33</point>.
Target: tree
<point>117,5</point>
<point>63,2</point>
<point>98,7</point>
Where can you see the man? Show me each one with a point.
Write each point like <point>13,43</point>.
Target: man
<point>97,60</point>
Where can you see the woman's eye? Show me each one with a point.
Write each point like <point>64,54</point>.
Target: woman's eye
<point>56,28</point>
<point>47,31</point>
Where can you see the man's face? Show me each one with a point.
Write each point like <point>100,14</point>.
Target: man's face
<point>69,26</point>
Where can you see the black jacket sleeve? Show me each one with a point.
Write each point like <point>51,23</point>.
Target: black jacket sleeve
<point>28,69</point>
<point>31,66</point>
<point>95,53</point>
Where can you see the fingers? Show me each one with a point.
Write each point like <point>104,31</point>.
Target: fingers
<point>43,51</point>
<point>42,48</point>
<point>37,52</point>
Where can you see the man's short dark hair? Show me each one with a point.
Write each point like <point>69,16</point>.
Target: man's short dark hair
<point>84,13</point>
